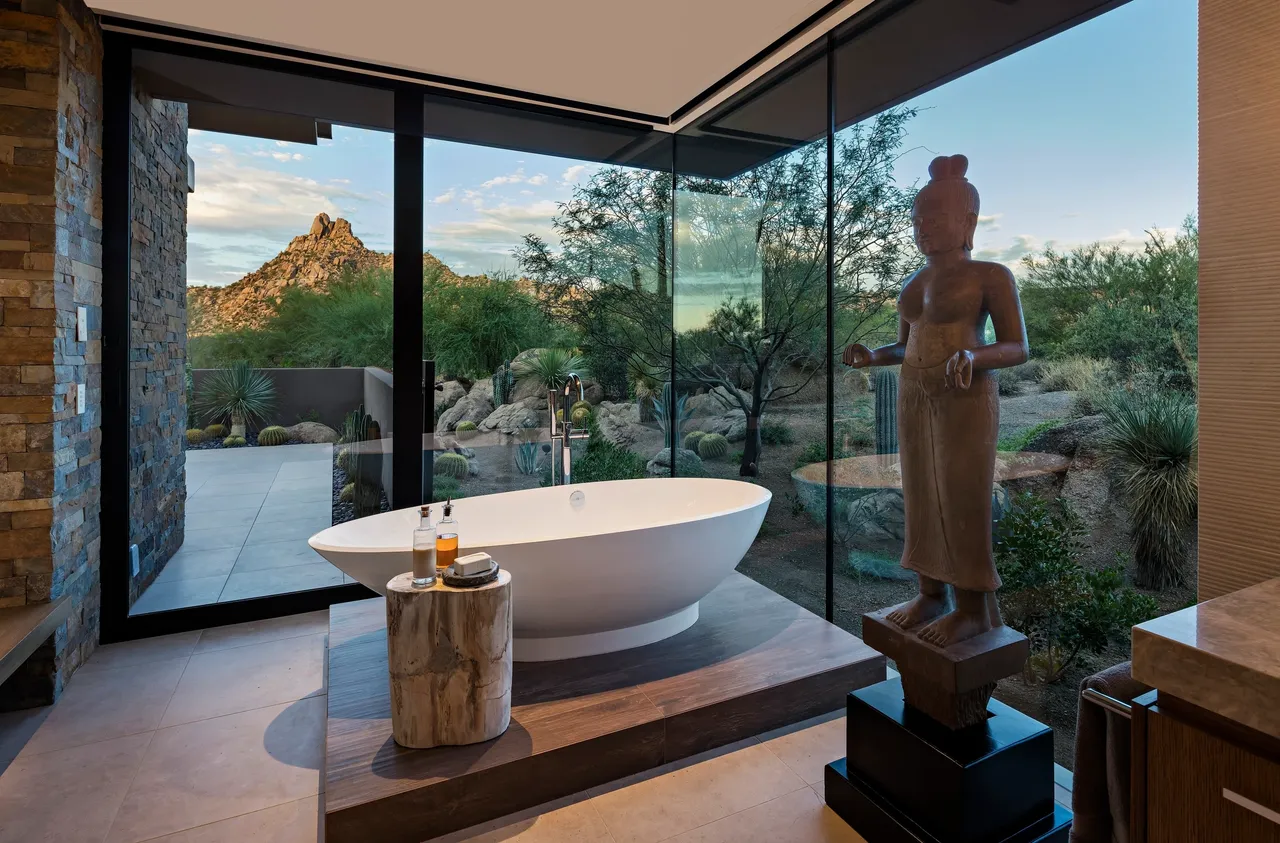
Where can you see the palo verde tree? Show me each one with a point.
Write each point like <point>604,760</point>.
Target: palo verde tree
<point>750,285</point>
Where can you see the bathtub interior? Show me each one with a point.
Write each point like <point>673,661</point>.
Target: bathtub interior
<point>560,512</point>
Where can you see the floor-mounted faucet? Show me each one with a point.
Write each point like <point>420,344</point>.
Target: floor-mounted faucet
<point>562,430</point>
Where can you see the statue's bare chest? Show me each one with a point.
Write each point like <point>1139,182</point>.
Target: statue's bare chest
<point>942,299</point>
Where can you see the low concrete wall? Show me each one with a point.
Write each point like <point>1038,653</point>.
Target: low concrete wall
<point>304,393</point>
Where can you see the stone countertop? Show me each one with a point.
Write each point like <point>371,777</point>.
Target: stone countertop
<point>1222,655</point>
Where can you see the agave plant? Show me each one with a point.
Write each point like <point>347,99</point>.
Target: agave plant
<point>240,393</point>
<point>643,380</point>
<point>549,368</point>
<point>1152,440</point>
<point>671,414</point>
<point>527,457</point>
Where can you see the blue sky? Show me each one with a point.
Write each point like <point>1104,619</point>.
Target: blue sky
<point>1090,135</point>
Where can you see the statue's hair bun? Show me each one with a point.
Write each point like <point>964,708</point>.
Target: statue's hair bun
<point>948,167</point>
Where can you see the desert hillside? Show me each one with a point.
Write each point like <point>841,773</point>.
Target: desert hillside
<point>310,261</point>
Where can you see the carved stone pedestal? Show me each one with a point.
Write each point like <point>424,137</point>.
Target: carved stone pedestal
<point>449,654</point>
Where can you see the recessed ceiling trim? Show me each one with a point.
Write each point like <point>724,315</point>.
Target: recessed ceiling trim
<point>199,38</point>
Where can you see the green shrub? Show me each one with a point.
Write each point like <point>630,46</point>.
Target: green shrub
<point>234,442</point>
<point>605,460</point>
<point>273,435</point>
<point>713,446</point>
<point>216,431</point>
<point>1018,441</point>
<point>1072,374</point>
<point>813,452</point>
<point>1062,608</point>
<point>692,439</point>
<point>239,392</point>
<point>1152,440</point>
<point>348,493</point>
<point>452,465</point>
<point>196,436</point>
<point>776,433</point>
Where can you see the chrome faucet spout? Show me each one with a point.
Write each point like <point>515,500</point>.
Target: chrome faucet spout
<point>569,383</point>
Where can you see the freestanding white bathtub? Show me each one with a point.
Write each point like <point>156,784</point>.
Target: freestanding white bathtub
<point>596,567</point>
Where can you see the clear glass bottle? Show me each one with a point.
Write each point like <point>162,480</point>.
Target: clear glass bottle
<point>424,550</point>
<point>446,538</point>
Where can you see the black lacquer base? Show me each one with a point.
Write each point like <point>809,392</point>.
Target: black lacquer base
<point>908,778</point>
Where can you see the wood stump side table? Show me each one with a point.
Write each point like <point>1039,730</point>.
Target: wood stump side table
<point>449,653</point>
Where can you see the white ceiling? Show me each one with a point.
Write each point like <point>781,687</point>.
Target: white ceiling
<point>650,57</point>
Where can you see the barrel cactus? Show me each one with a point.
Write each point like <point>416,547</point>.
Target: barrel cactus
<point>453,465</point>
<point>580,405</point>
<point>273,435</point>
<point>692,439</point>
<point>344,459</point>
<point>196,436</point>
<point>579,416</point>
<point>886,412</point>
<point>466,429</point>
<point>234,442</point>
<point>348,493</point>
<point>216,431</point>
<point>713,446</point>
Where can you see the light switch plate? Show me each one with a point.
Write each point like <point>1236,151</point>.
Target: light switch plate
<point>133,559</point>
<point>82,324</point>
<point>80,398</point>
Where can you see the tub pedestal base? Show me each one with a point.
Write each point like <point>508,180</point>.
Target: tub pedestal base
<point>577,646</point>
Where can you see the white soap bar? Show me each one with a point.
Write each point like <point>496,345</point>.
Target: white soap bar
<point>473,563</point>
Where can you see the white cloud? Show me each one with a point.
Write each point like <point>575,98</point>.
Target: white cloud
<point>571,175</point>
<point>285,156</point>
<point>991,222</point>
<point>511,178</point>
<point>539,179</point>
<point>446,197</point>
<point>1023,245</point>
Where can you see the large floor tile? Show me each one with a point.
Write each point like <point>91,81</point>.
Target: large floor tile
<point>195,564</point>
<point>670,804</point>
<point>178,594</point>
<point>213,770</point>
<point>293,822</point>
<point>198,519</point>
<point>797,817</point>
<point>300,484</point>
<point>579,822</point>
<point>809,748</point>
<point>223,501</point>
<point>286,509</point>
<point>215,537</point>
<point>260,632</point>
<point>16,728</point>
<point>297,529</point>
<point>308,469</point>
<point>280,554</point>
<point>158,649</point>
<point>318,574</point>
<point>227,485</point>
<point>306,493</point>
<point>106,704</point>
<point>68,796</point>
<point>238,679</point>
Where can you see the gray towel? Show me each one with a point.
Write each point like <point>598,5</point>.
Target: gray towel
<point>1100,789</point>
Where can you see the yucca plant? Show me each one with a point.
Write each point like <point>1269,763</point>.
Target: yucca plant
<point>642,378</point>
<point>1151,439</point>
<point>671,414</point>
<point>239,393</point>
<point>549,368</point>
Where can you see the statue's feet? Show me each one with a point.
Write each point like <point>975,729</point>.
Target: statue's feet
<point>920,609</point>
<point>954,627</point>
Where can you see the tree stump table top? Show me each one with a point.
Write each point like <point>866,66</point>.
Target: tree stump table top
<point>449,657</point>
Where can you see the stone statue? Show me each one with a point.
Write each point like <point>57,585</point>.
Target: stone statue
<point>948,410</point>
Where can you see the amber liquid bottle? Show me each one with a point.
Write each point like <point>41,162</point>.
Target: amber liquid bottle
<point>446,538</point>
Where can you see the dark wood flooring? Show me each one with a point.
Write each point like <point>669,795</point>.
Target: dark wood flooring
<point>754,661</point>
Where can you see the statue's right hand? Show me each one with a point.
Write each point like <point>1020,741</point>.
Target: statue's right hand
<point>857,355</point>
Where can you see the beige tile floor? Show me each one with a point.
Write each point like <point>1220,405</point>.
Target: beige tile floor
<point>218,737</point>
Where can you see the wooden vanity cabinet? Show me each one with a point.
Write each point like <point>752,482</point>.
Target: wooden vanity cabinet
<point>1199,778</point>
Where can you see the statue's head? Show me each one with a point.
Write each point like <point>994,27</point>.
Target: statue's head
<point>946,209</point>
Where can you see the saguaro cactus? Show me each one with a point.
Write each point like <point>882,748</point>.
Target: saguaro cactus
<point>504,383</point>
<point>886,412</point>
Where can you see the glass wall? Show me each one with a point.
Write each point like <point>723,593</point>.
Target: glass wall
<point>1086,196</point>
<point>261,295</point>
<point>538,267</point>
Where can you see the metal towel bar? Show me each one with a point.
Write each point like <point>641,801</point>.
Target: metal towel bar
<point>1108,702</point>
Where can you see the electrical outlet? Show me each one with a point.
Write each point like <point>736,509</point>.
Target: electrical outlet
<point>82,324</point>
<point>134,563</point>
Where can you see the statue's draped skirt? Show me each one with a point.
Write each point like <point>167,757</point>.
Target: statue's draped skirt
<point>947,445</point>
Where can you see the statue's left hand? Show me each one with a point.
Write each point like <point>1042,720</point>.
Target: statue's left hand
<point>960,370</point>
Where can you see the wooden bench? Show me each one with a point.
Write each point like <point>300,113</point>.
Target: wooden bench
<point>24,628</point>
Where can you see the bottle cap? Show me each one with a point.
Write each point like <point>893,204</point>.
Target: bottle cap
<point>424,511</point>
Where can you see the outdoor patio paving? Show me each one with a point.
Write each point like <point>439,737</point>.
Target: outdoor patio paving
<point>249,514</point>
